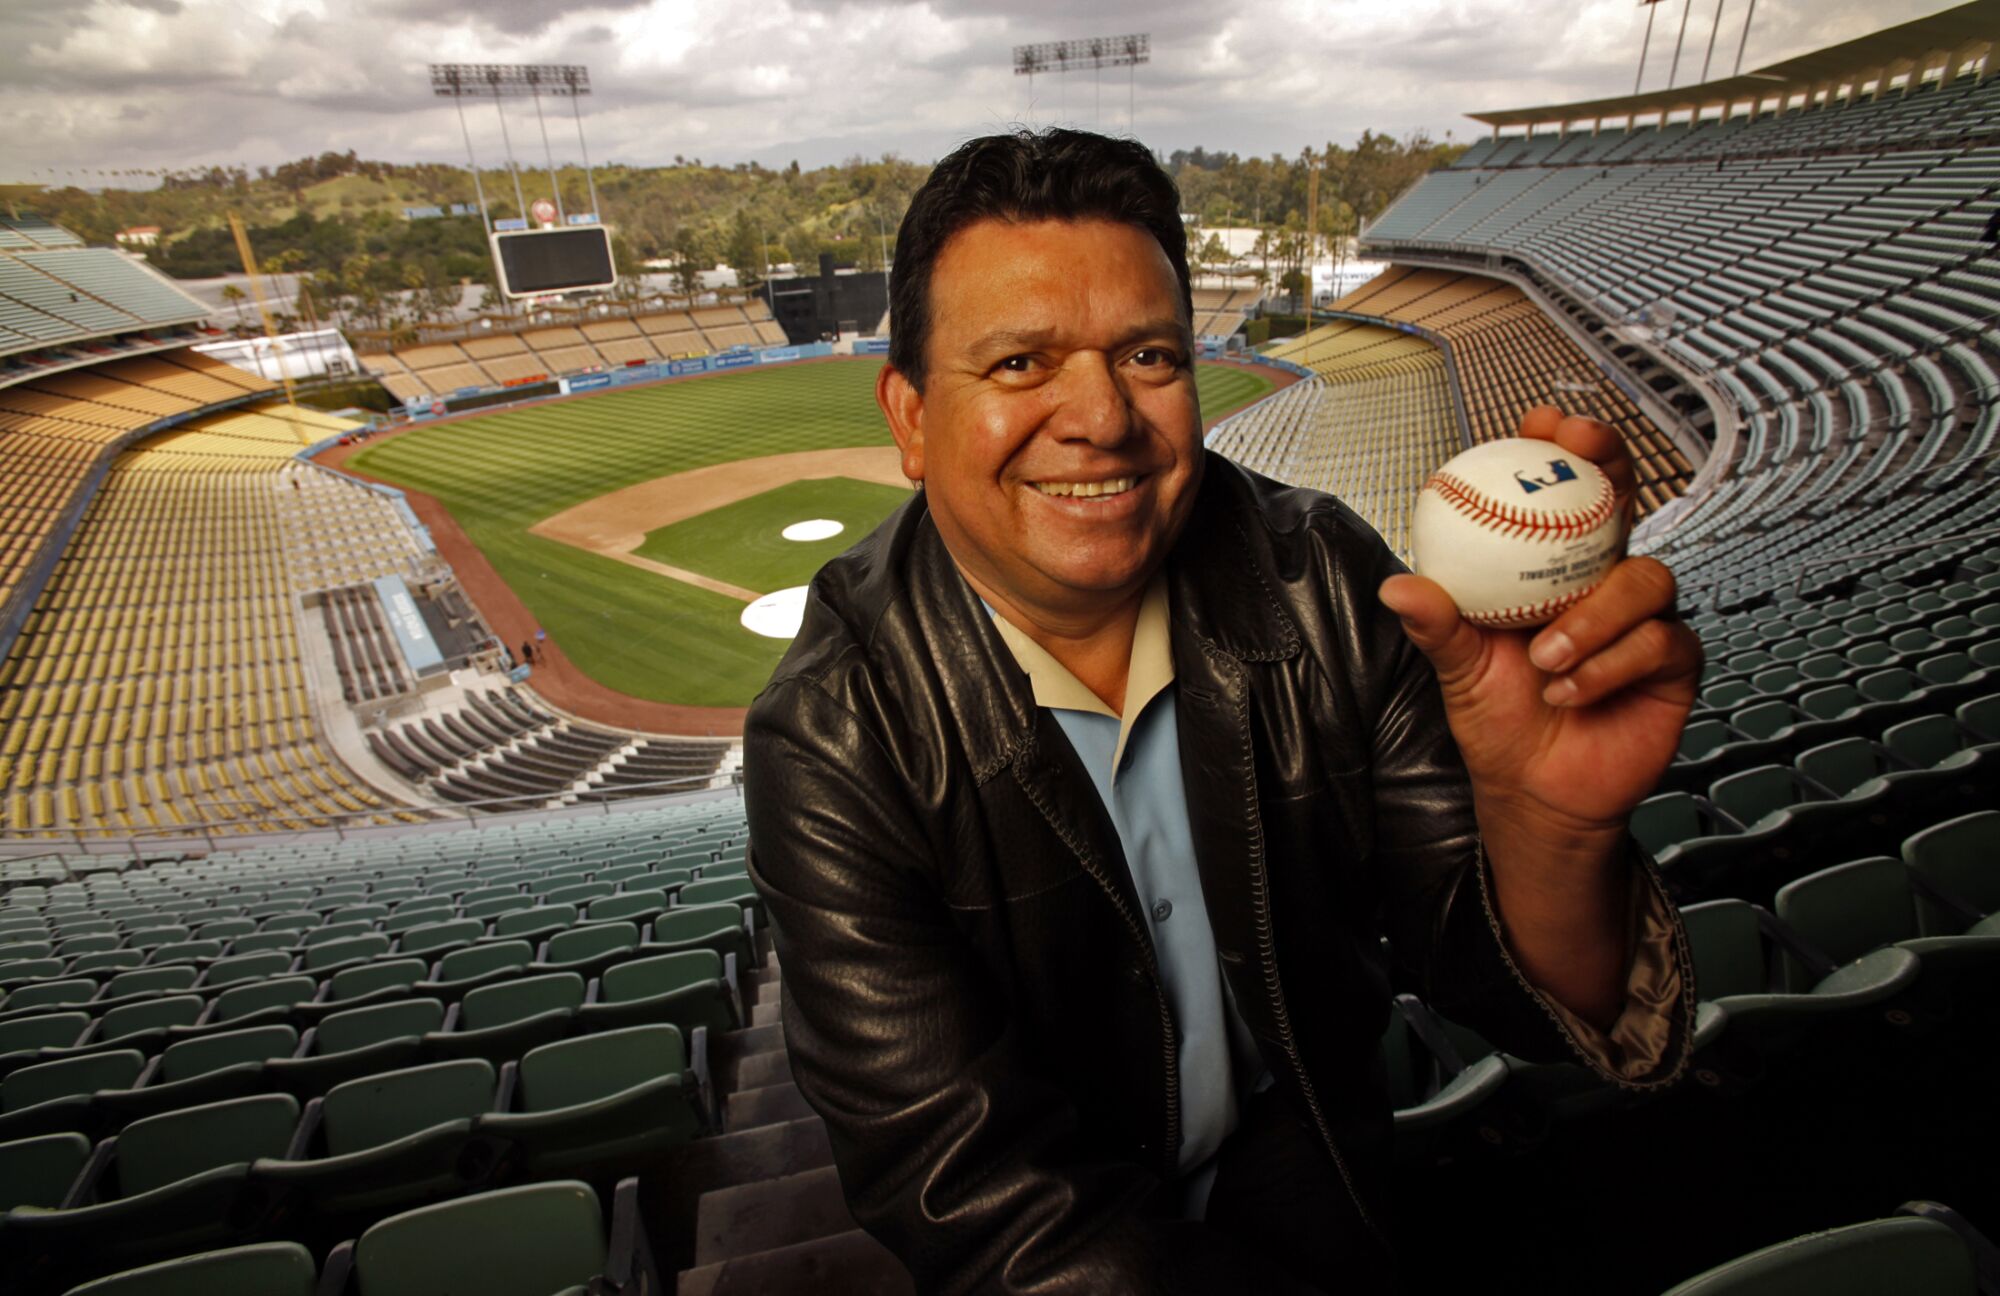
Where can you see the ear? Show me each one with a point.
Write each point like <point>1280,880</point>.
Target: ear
<point>902,403</point>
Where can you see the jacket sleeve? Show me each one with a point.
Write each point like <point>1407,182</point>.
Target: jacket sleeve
<point>961,1159</point>
<point>1446,936</point>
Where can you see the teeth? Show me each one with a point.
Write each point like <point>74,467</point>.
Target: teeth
<point>1086,490</point>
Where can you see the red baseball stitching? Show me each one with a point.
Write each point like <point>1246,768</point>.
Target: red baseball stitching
<point>1514,520</point>
<point>1528,613</point>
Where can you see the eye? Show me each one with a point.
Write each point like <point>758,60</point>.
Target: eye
<point>1017,363</point>
<point>1151,357</point>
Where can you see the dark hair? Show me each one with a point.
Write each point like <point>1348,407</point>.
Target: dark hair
<point>1024,175</point>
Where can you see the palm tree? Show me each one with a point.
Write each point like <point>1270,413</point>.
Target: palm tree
<point>234,296</point>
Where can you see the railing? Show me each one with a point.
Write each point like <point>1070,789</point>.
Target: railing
<point>217,834</point>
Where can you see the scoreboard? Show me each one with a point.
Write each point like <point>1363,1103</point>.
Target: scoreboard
<point>535,263</point>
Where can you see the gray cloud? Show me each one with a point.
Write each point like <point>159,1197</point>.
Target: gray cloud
<point>150,83</point>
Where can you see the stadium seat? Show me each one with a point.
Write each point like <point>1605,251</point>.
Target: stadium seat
<point>1907,1254</point>
<point>524,1241</point>
<point>260,1269</point>
<point>388,1139</point>
<point>688,988</point>
<point>167,1183</point>
<point>1959,858</point>
<point>358,1042</point>
<point>39,1171</point>
<point>542,920</point>
<point>55,1097</point>
<point>590,949</point>
<point>476,965</point>
<point>1729,941</point>
<point>724,928</point>
<point>502,1021</point>
<point>1851,909</point>
<point>602,1104</point>
<point>204,1068</point>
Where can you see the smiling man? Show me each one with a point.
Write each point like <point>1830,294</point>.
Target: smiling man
<point>1109,790</point>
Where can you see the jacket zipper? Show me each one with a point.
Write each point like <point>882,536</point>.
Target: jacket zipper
<point>1267,962</point>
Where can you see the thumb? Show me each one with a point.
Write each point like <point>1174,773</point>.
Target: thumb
<point>1432,622</point>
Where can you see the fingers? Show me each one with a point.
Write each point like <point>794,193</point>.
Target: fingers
<point>1615,637</point>
<point>1651,651</point>
<point>1432,622</point>
<point>1598,442</point>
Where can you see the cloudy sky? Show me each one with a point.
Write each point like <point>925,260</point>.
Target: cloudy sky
<point>115,84</point>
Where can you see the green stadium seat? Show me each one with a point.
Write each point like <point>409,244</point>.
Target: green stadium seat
<point>206,1068</point>
<point>245,967</point>
<point>263,941</point>
<point>387,1140</point>
<point>637,906</point>
<point>494,906</point>
<point>434,938</point>
<point>1729,942</point>
<point>603,1104</point>
<point>260,1269</point>
<point>1959,858</point>
<point>524,1241</point>
<point>724,928</point>
<point>332,931</point>
<point>590,949</point>
<point>477,965</point>
<point>1851,909</point>
<point>39,1172</point>
<point>228,929</point>
<point>250,1000</point>
<point>170,1183</point>
<point>150,1017</point>
<point>145,981</point>
<point>188,951</point>
<point>1440,1101</point>
<point>542,920</point>
<point>500,1022</point>
<point>358,1042</point>
<point>688,988</point>
<point>49,1030</point>
<point>345,951</point>
<point>712,890</point>
<point>576,893</point>
<point>1909,1256</point>
<point>50,994</point>
<point>26,971</point>
<point>376,981</point>
<point>147,938</point>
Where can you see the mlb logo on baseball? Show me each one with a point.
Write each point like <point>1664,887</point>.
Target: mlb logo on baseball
<point>1516,531</point>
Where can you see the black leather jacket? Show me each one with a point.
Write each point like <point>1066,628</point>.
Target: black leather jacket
<point>971,1000</point>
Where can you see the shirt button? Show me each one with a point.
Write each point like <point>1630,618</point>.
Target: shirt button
<point>1162,910</point>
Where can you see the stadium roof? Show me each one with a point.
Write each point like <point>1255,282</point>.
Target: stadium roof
<point>1956,30</point>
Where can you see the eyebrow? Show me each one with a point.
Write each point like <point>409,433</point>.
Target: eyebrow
<point>1033,339</point>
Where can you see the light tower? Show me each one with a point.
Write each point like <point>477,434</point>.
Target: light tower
<point>1094,53</point>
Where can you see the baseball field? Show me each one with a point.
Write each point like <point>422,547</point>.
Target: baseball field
<point>637,525</point>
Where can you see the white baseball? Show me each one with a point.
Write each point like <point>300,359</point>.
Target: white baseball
<point>1516,531</point>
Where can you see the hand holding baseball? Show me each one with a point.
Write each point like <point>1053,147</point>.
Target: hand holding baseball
<point>1564,729</point>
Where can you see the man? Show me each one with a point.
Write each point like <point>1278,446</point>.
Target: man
<point>1098,774</point>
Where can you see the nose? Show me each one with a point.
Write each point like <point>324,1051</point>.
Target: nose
<point>1092,404</point>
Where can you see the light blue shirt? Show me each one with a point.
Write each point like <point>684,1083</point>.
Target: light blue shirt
<point>1134,763</point>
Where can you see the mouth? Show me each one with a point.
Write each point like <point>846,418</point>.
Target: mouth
<point>1087,489</point>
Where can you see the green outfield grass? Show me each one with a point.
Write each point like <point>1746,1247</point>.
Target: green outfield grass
<point>1225,387</point>
<point>633,630</point>
<point>742,543</point>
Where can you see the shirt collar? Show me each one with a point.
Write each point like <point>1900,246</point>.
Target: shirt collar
<point>1148,672</point>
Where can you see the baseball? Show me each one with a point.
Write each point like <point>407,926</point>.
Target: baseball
<point>1516,531</point>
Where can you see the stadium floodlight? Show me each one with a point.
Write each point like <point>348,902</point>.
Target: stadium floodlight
<point>1652,8</point>
<point>1091,54</point>
<point>458,81</point>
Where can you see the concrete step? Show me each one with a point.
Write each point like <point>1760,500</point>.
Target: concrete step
<point>760,1069</point>
<point>672,1196</point>
<point>845,1264</point>
<point>753,1217</point>
<point>765,1105</point>
<point>764,1014</point>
